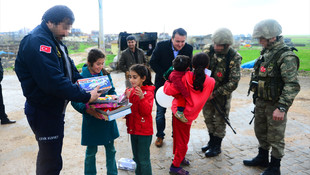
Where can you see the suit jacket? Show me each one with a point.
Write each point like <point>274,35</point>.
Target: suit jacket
<point>162,57</point>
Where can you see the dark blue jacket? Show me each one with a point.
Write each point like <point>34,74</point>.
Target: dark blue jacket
<point>95,131</point>
<point>43,73</point>
<point>162,57</point>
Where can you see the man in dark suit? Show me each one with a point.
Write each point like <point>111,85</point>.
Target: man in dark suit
<point>161,61</point>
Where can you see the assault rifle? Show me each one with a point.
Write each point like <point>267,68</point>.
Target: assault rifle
<point>252,117</point>
<point>215,104</point>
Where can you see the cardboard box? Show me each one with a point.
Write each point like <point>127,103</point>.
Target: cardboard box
<point>110,101</point>
<point>117,113</point>
<point>89,84</point>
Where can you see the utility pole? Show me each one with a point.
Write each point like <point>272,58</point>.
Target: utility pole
<point>101,34</point>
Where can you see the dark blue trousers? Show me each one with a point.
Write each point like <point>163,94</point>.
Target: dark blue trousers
<point>48,128</point>
<point>160,121</point>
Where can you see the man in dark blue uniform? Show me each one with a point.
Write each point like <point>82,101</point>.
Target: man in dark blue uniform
<point>47,76</point>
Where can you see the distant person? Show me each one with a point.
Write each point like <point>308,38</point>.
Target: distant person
<point>225,69</point>
<point>161,61</point>
<point>149,50</point>
<point>47,75</point>
<point>140,122</point>
<point>3,116</point>
<point>200,87</point>
<point>275,88</point>
<point>130,56</point>
<point>95,130</point>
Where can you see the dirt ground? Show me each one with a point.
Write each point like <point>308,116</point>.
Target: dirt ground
<point>18,148</point>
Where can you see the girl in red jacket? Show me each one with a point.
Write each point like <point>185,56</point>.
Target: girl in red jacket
<point>200,86</point>
<point>139,122</point>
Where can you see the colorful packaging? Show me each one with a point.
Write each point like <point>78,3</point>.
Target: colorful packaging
<point>110,101</point>
<point>89,84</point>
<point>112,114</point>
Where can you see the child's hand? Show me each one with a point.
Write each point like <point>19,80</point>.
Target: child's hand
<point>139,93</point>
<point>92,111</point>
<point>128,92</point>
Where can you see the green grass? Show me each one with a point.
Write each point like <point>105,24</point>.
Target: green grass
<point>78,49</point>
<point>249,54</point>
<point>304,56</point>
<point>109,59</point>
<point>79,66</point>
<point>300,39</point>
<point>196,51</point>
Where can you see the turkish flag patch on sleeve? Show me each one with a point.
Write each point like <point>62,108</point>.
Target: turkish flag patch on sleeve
<point>46,49</point>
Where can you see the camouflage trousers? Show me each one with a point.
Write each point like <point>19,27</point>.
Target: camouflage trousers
<point>214,121</point>
<point>269,133</point>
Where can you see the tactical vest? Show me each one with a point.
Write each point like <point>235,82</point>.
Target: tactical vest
<point>223,72</point>
<point>268,75</point>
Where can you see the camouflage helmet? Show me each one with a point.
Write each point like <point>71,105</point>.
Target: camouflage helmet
<point>268,28</point>
<point>223,36</point>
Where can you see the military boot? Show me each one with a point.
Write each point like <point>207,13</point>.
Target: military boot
<point>273,167</point>
<point>260,160</point>
<point>215,149</point>
<point>208,146</point>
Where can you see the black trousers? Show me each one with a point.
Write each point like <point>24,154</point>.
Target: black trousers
<point>48,128</point>
<point>2,109</point>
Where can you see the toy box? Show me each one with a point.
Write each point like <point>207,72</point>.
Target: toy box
<point>112,114</point>
<point>88,84</point>
<point>110,101</point>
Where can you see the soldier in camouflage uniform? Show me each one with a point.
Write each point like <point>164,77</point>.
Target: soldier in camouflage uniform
<point>225,66</point>
<point>275,86</point>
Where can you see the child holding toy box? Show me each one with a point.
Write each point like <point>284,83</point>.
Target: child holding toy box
<point>95,130</point>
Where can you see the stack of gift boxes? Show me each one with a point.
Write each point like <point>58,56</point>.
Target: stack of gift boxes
<point>111,106</point>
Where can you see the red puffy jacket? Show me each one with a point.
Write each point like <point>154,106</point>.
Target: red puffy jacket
<point>140,121</point>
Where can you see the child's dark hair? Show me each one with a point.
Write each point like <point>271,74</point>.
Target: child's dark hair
<point>142,71</point>
<point>93,56</point>
<point>200,62</point>
<point>181,63</point>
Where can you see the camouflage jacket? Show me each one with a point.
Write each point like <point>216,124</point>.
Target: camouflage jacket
<point>218,67</point>
<point>288,64</point>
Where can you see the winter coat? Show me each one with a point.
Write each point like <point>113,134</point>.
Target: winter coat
<point>95,131</point>
<point>127,59</point>
<point>41,68</point>
<point>196,99</point>
<point>176,78</point>
<point>140,121</point>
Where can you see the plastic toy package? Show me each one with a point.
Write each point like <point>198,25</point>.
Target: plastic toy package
<point>126,164</point>
<point>110,101</point>
<point>89,84</point>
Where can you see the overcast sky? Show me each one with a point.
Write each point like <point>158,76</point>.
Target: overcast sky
<point>197,17</point>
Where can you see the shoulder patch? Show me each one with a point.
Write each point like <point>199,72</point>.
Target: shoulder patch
<point>46,49</point>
